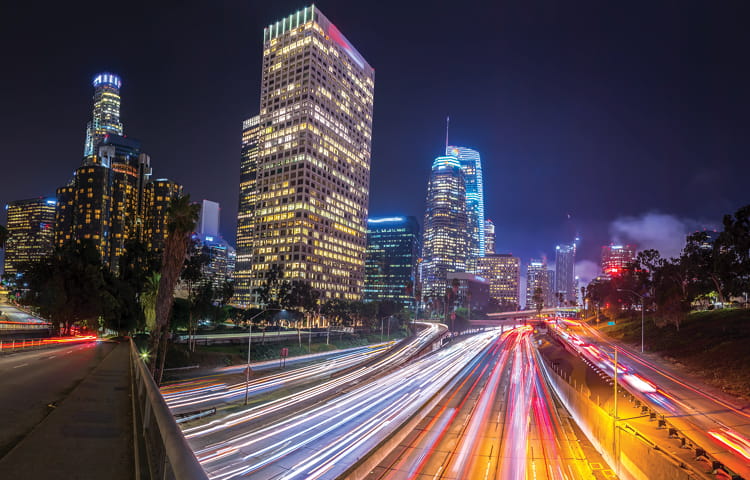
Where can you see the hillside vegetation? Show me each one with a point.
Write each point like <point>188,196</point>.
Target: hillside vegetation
<point>714,345</point>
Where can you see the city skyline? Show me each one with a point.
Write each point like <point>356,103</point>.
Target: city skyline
<point>542,132</point>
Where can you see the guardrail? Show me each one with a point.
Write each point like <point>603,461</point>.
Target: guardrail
<point>161,451</point>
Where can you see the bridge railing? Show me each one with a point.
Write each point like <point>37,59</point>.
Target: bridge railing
<point>161,451</point>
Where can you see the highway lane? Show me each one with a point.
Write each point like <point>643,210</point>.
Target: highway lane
<point>501,422</point>
<point>227,386</point>
<point>714,424</point>
<point>322,441</point>
<point>33,380</point>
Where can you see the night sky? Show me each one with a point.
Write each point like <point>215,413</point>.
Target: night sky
<point>625,120</point>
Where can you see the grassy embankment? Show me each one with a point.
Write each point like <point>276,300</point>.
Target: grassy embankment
<point>221,355</point>
<point>714,345</point>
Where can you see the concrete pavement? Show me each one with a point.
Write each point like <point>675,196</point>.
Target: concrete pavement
<point>89,434</point>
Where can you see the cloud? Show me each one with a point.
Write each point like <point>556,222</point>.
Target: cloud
<point>586,270</point>
<point>665,233</point>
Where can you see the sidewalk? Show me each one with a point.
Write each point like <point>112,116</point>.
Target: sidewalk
<point>89,435</point>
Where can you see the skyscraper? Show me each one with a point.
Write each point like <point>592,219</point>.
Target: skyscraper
<point>208,222</point>
<point>471,163</point>
<point>110,198</point>
<point>30,232</point>
<point>537,277</point>
<point>313,160</point>
<point>245,217</point>
<point>503,272</point>
<point>446,243</point>
<point>565,285</point>
<point>106,112</point>
<point>393,247</point>
<point>489,237</point>
<point>616,258</point>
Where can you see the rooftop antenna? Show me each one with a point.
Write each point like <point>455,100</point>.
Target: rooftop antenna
<point>447,125</point>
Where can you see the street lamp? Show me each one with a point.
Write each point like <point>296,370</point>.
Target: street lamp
<point>643,309</point>
<point>250,344</point>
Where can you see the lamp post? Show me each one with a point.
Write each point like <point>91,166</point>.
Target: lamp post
<point>643,309</point>
<point>250,344</point>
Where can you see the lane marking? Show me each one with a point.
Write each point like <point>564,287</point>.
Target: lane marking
<point>22,365</point>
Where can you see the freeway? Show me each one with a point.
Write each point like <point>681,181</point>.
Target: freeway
<point>711,422</point>
<point>35,381</point>
<point>500,422</point>
<point>224,388</point>
<point>324,440</point>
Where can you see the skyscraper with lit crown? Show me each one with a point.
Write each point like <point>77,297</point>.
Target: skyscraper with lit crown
<point>471,163</point>
<point>106,113</point>
<point>313,161</point>
<point>446,244</point>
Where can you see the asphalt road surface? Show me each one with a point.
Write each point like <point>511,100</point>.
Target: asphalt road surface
<point>34,382</point>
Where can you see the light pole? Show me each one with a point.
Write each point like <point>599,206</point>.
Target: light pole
<point>643,309</point>
<point>250,344</point>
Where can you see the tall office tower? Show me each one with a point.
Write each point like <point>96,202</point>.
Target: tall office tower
<point>30,232</point>
<point>471,163</point>
<point>489,237</point>
<point>393,247</point>
<point>565,288</point>
<point>208,222</point>
<point>313,159</point>
<point>503,271</point>
<point>104,201</point>
<point>245,218</point>
<point>616,258</point>
<point>106,112</point>
<point>537,276</point>
<point>446,243</point>
<point>158,194</point>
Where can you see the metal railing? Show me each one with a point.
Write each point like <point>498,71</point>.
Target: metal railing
<point>161,451</point>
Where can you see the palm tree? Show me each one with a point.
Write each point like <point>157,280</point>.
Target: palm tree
<point>148,300</point>
<point>181,219</point>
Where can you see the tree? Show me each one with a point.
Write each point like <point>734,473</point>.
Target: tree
<point>137,264</point>
<point>274,289</point>
<point>181,219</point>
<point>148,300</point>
<point>537,300</point>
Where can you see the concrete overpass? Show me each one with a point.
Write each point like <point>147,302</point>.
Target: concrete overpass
<point>504,318</point>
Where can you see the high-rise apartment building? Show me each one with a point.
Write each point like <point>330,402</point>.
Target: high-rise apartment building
<point>158,193</point>
<point>489,237</point>
<point>393,247</point>
<point>446,245</point>
<point>503,272</point>
<point>30,232</point>
<point>245,213</point>
<point>106,112</point>
<point>312,165</point>
<point>537,282</point>
<point>471,164</point>
<point>110,198</point>
<point>565,284</point>
<point>616,258</point>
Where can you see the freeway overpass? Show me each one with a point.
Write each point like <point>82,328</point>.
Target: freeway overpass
<point>503,318</point>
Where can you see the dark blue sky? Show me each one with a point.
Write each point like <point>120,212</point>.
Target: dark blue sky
<point>597,110</point>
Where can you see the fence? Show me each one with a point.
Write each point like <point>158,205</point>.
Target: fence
<point>161,451</point>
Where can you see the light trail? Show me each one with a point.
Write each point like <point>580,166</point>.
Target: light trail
<point>321,441</point>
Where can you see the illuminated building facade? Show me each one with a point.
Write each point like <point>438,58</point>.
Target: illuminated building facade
<point>106,112</point>
<point>471,163</point>
<point>503,272</point>
<point>565,279</point>
<point>445,242</point>
<point>616,258</point>
<point>245,216</point>
<point>393,247</point>
<point>30,232</point>
<point>158,194</point>
<point>110,198</point>
<point>489,237</point>
<point>537,276</point>
<point>313,160</point>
